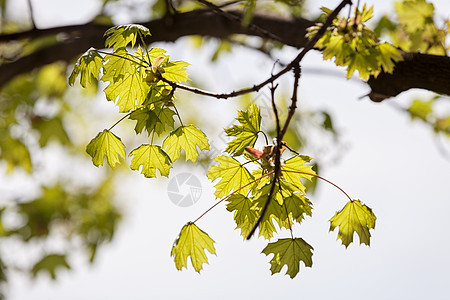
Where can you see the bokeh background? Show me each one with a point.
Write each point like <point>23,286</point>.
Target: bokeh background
<point>396,166</point>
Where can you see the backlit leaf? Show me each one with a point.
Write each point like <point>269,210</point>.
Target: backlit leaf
<point>233,176</point>
<point>294,165</point>
<point>106,144</point>
<point>414,13</point>
<point>244,215</point>
<point>176,71</point>
<point>247,132</point>
<point>289,252</point>
<point>126,78</point>
<point>186,138</point>
<point>354,217</point>
<point>88,67</point>
<point>192,242</point>
<point>121,36</point>
<point>151,158</point>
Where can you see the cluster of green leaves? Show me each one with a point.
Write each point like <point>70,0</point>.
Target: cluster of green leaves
<point>415,29</point>
<point>246,187</point>
<point>353,45</point>
<point>87,216</point>
<point>426,111</point>
<point>34,112</point>
<point>140,85</point>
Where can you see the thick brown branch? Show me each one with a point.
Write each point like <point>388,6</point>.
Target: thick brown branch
<point>422,71</point>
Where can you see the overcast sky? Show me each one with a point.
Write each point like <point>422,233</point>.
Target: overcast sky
<point>391,164</point>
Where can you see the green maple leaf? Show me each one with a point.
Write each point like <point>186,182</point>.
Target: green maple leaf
<point>274,211</point>
<point>145,118</point>
<point>156,52</point>
<point>289,252</point>
<point>165,117</point>
<point>234,176</point>
<point>126,78</point>
<point>244,215</point>
<point>388,56</point>
<point>49,264</point>
<point>421,109</point>
<point>88,67</point>
<point>185,138</point>
<point>297,164</point>
<point>106,144</point>
<point>151,158</point>
<point>247,132</point>
<point>121,36</point>
<point>413,14</point>
<point>175,71</point>
<point>192,242</point>
<point>354,217</point>
<point>298,206</point>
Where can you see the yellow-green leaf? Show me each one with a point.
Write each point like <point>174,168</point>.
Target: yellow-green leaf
<point>389,55</point>
<point>175,71</point>
<point>121,36</point>
<point>185,138</point>
<point>88,67</point>
<point>126,79</point>
<point>233,176</point>
<point>192,242</point>
<point>289,252</point>
<point>151,158</point>
<point>294,169</point>
<point>244,215</point>
<point>414,13</point>
<point>247,132</point>
<point>106,144</point>
<point>354,217</point>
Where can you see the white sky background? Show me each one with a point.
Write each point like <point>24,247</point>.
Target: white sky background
<point>391,164</point>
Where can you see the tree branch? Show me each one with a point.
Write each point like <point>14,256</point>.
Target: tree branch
<point>423,71</point>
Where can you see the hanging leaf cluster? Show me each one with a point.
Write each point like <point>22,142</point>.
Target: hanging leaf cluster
<point>263,191</point>
<point>139,84</point>
<point>350,43</point>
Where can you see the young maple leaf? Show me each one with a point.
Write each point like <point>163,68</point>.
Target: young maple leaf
<point>120,36</point>
<point>244,215</point>
<point>289,252</point>
<point>185,138</point>
<point>88,67</point>
<point>106,144</point>
<point>246,133</point>
<point>50,264</point>
<point>294,169</point>
<point>151,158</point>
<point>192,242</point>
<point>175,71</point>
<point>234,176</point>
<point>126,79</point>
<point>354,217</point>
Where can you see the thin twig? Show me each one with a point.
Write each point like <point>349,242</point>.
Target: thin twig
<point>292,64</point>
<point>263,211</point>
<point>120,120</point>
<point>33,21</point>
<point>293,105</point>
<point>321,178</point>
